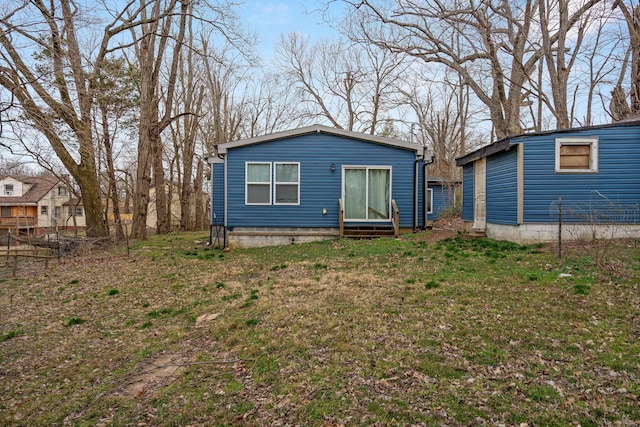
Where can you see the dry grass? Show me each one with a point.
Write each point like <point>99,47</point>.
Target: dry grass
<point>385,332</point>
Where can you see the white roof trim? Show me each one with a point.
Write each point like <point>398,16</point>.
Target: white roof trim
<point>419,149</point>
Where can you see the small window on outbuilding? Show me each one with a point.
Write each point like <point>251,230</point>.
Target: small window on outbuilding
<point>8,189</point>
<point>429,200</point>
<point>577,155</point>
<point>44,210</point>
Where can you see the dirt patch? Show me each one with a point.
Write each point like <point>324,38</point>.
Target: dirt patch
<point>444,228</point>
<point>205,318</point>
<point>156,374</point>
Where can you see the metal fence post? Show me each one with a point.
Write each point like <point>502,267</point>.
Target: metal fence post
<point>560,227</point>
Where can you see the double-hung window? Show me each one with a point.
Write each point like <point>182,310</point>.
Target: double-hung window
<point>278,182</point>
<point>577,155</point>
<point>258,179</point>
<point>75,211</point>
<point>287,184</point>
<point>8,189</point>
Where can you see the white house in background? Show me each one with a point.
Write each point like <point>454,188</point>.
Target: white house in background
<point>36,205</point>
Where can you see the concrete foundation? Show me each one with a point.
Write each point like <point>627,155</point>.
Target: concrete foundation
<point>253,237</point>
<point>538,233</point>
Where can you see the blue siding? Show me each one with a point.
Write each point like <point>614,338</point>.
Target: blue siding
<point>217,197</point>
<point>467,192</point>
<point>616,183</point>
<point>502,188</point>
<point>320,187</point>
<point>443,198</point>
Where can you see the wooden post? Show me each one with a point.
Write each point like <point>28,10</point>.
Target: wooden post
<point>560,228</point>
<point>15,264</point>
<point>8,243</point>
<point>341,217</point>
<point>126,236</point>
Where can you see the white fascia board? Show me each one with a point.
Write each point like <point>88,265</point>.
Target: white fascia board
<point>419,149</point>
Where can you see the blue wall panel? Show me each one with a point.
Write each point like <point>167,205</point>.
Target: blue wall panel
<point>320,187</point>
<point>217,199</point>
<point>443,198</point>
<point>502,188</point>
<point>615,185</point>
<point>467,192</point>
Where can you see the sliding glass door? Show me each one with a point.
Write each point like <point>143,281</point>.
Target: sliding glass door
<point>366,193</point>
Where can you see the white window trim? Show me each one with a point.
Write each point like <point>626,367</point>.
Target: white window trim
<point>247,183</point>
<point>7,191</point>
<point>275,183</point>
<point>367,168</point>
<point>593,156</point>
<point>430,204</point>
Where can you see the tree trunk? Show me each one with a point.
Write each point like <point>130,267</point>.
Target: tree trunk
<point>200,220</point>
<point>147,129</point>
<point>162,207</point>
<point>111,176</point>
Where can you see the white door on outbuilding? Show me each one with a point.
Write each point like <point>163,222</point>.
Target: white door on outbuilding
<point>480,195</point>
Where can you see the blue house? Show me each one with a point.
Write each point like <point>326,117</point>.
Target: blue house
<point>583,183</point>
<point>315,183</point>
<point>440,196</point>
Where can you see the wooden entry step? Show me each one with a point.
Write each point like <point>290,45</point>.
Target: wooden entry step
<point>368,231</point>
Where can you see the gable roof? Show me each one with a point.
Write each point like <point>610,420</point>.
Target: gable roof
<point>506,143</point>
<point>41,185</point>
<point>419,149</point>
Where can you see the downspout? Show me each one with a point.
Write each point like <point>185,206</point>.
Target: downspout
<point>213,224</point>
<point>224,228</point>
<point>415,194</point>
<point>425,182</point>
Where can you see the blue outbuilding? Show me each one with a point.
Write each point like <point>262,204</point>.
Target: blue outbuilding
<point>441,196</point>
<point>574,183</point>
<point>315,183</point>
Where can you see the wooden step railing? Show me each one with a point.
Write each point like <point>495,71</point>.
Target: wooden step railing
<point>395,218</point>
<point>341,216</point>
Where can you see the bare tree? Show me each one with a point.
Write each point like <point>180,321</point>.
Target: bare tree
<point>554,19</point>
<point>151,42</point>
<point>14,166</point>
<point>159,47</point>
<point>620,109</point>
<point>184,130</point>
<point>441,105</point>
<point>349,85</point>
<point>601,61</point>
<point>56,95</point>
<point>270,106</point>
<point>116,101</point>
<point>490,44</point>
